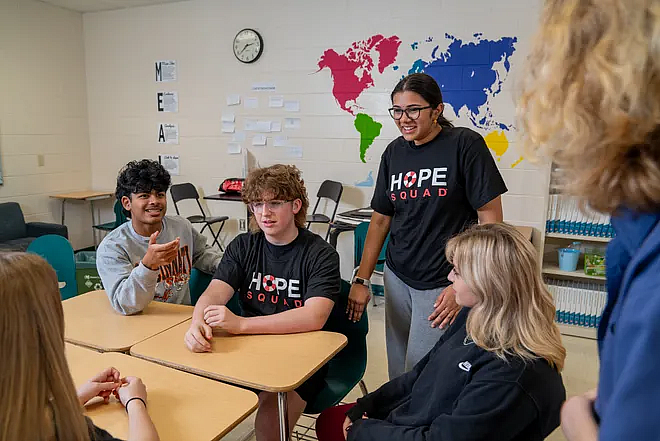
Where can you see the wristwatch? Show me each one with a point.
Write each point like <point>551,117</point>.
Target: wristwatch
<point>360,281</point>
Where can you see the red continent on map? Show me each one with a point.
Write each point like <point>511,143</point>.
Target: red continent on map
<point>351,71</point>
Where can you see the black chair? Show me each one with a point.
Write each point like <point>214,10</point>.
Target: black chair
<point>185,191</point>
<point>16,234</point>
<point>329,190</point>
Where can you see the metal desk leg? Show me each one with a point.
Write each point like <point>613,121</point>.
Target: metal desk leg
<point>282,406</point>
<point>63,201</point>
<point>91,204</point>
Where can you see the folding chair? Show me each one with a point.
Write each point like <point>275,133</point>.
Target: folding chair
<point>329,190</point>
<point>185,191</point>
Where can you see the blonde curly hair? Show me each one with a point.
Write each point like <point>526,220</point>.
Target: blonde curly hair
<point>590,100</point>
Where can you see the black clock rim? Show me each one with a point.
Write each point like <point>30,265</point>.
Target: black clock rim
<point>261,45</point>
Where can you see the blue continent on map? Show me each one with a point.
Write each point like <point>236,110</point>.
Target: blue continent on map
<point>467,76</point>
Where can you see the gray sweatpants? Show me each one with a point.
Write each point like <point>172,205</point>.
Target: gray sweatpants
<point>408,332</point>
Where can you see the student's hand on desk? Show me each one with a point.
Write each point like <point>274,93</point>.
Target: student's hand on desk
<point>358,299</point>
<point>101,385</point>
<point>198,337</point>
<point>219,316</point>
<point>446,308</point>
<point>160,254</point>
<point>577,418</point>
<point>132,387</point>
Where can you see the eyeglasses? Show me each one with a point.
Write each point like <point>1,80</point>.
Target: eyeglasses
<point>411,112</point>
<point>258,207</point>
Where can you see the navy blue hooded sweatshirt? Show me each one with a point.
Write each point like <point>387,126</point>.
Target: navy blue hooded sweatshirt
<point>461,392</point>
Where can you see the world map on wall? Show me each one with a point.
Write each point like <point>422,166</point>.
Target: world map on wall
<point>470,74</point>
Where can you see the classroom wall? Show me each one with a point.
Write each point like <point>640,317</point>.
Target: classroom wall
<point>44,143</point>
<point>122,47</point>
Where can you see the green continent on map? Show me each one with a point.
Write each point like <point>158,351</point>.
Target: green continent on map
<point>369,130</point>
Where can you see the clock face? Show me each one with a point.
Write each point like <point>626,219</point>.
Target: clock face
<point>248,46</point>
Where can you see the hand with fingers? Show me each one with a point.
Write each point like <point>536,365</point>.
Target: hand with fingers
<point>198,337</point>
<point>358,299</point>
<point>101,385</point>
<point>446,309</point>
<point>221,317</point>
<point>160,254</point>
<point>132,387</point>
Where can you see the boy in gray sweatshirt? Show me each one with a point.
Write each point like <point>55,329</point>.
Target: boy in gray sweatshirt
<point>151,256</point>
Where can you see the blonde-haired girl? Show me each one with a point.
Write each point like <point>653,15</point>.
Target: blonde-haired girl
<point>495,373</point>
<point>39,401</point>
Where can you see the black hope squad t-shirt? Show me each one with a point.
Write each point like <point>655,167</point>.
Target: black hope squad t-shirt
<point>432,192</point>
<point>272,279</point>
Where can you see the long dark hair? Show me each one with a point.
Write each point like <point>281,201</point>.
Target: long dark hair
<point>425,86</point>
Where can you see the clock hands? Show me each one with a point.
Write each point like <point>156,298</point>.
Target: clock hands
<point>245,47</point>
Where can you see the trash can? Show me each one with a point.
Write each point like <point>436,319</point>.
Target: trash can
<point>87,276</point>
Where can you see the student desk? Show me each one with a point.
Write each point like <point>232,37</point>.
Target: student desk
<point>87,195</point>
<point>273,363</point>
<point>90,321</point>
<point>182,406</point>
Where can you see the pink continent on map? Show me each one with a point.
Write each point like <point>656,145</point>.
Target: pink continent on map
<point>351,71</point>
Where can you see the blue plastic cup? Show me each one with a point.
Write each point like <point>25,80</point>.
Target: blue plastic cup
<point>568,259</point>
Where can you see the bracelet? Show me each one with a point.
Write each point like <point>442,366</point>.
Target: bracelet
<point>134,398</point>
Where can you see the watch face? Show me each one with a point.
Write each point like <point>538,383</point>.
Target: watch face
<point>248,46</point>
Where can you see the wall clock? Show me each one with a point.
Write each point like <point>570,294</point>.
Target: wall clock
<point>248,46</point>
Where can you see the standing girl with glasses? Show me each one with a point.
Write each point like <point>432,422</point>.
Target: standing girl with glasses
<point>433,182</point>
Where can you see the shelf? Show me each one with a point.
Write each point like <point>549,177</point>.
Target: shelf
<point>579,274</point>
<point>577,237</point>
<point>578,331</point>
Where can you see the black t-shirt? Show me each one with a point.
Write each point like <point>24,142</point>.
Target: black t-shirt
<point>432,192</point>
<point>272,279</point>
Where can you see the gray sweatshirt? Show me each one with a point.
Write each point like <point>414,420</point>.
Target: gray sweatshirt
<point>131,286</point>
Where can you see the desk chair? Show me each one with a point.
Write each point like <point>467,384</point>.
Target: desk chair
<point>198,283</point>
<point>185,191</point>
<point>331,190</point>
<point>59,254</point>
<point>120,218</point>
<point>360,237</point>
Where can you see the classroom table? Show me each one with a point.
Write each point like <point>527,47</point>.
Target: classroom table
<point>348,221</point>
<point>273,363</point>
<point>91,321</point>
<point>230,197</point>
<point>182,406</point>
<point>86,195</point>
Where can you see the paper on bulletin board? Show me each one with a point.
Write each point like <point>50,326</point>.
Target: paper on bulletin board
<point>165,71</point>
<point>251,102</point>
<point>276,101</point>
<point>168,102</point>
<point>233,148</point>
<point>228,127</point>
<point>259,140</point>
<point>250,125</point>
<point>293,152</point>
<point>280,141</point>
<point>238,137</point>
<point>292,123</point>
<point>233,100</point>
<point>263,126</point>
<point>170,163</point>
<point>228,117</point>
<point>263,87</point>
<point>168,133</point>
<point>292,106</point>
<point>276,126</point>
